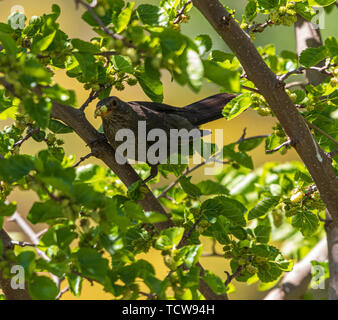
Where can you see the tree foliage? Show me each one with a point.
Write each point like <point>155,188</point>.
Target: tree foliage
<point>96,227</point>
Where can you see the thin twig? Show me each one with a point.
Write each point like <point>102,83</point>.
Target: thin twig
<point>250,89</point>
<point>259,27</point>
<point>210,160</point>
<point>83,159</point>
<point>300,70</point>
<point>284,144</point>
<point>178,17</point>
<point>93,95</point>
<point>311,125</point>
<point>31,131</point>
<point>104,28</point>
<point>230,277</point>
<point>23,244</point>
<point>61,293</point>
<point>295,84</point>
<point>106,53</point>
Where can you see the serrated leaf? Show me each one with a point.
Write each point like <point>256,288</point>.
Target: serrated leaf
<point>15,167</point>
<point>236,106</point>
<point>84,46</point>
<point>44,212</point>
<point>263,207</point>
<point>214,282</point>
<point>122,64</point>
<point>42,288</point>
<point>331,44</point>
<point>311,56</point>
<point>306,222</point>
<point>251,10</point>
<point>58,127</point>
<point>169,238</point>
<point>39,111</point>
<point>222,76</point>
<point>232,209</point>
<point>191,189</point>
<point>91,264</point>
<point>42,44</point>
<point>151,86</point>
<point>152,15</point>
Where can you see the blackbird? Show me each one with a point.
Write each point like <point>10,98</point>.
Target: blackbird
<point>117,114</point>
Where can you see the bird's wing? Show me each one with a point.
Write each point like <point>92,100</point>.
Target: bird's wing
<point>159,107</point>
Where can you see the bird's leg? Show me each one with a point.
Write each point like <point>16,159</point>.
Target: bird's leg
<point>153,173</point>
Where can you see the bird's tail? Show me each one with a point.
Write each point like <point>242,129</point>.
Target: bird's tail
<point>208,109</point>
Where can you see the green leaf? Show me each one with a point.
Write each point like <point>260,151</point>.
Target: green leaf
<point>39,111</point>
<point>263,207</point>
<point>135,211</point>
<point>262,233</point>
<point>124,17</point>
<point>87,65</point>
<point>222,76</point>
<point>15,167</point>
<point>230,208</point>
<point>236,106</point>
<point>305,11</point>
<point>153,15</point>
<point>248,145</point>
<point>268,4</point>
<point>269,272</point>
<point>61,95</point>
<point>194,69</point>
<point>169,238</point>
<point>75,284</point>
<point>209,187</point>
<point>6,210</point>
<point>320,3</point>
<point>42,43</point>
<point>240,157</point>
<point>8,43</point>
<point>191,254</point>
<point>151,86</point>
<point>42,288</point>
<point>91,264</point>
<point>214,282</point>
<point>44,211</point>
<point>251,10</point>
<point>58,127</point>
<point>122,64</point>
<point>311,56</point>
<point>60,235</point>
<point>331,44</point>
<point>203,43</point>
<point>191,189</point>
<point>6,28</point>
<point>306,221</point>
<point>84,46</point>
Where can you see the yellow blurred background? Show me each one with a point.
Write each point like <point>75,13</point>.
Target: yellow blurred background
<point>71,23</point>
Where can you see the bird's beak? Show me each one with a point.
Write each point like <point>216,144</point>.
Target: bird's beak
<point>100,111</point>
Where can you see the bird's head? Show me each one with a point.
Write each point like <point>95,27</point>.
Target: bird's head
<point>106,106</point>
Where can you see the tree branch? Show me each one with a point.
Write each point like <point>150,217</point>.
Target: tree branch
<point>295,283</point>
<point>314,158</point>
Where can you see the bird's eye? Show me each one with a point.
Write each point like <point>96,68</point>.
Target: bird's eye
<point>114,102</point>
